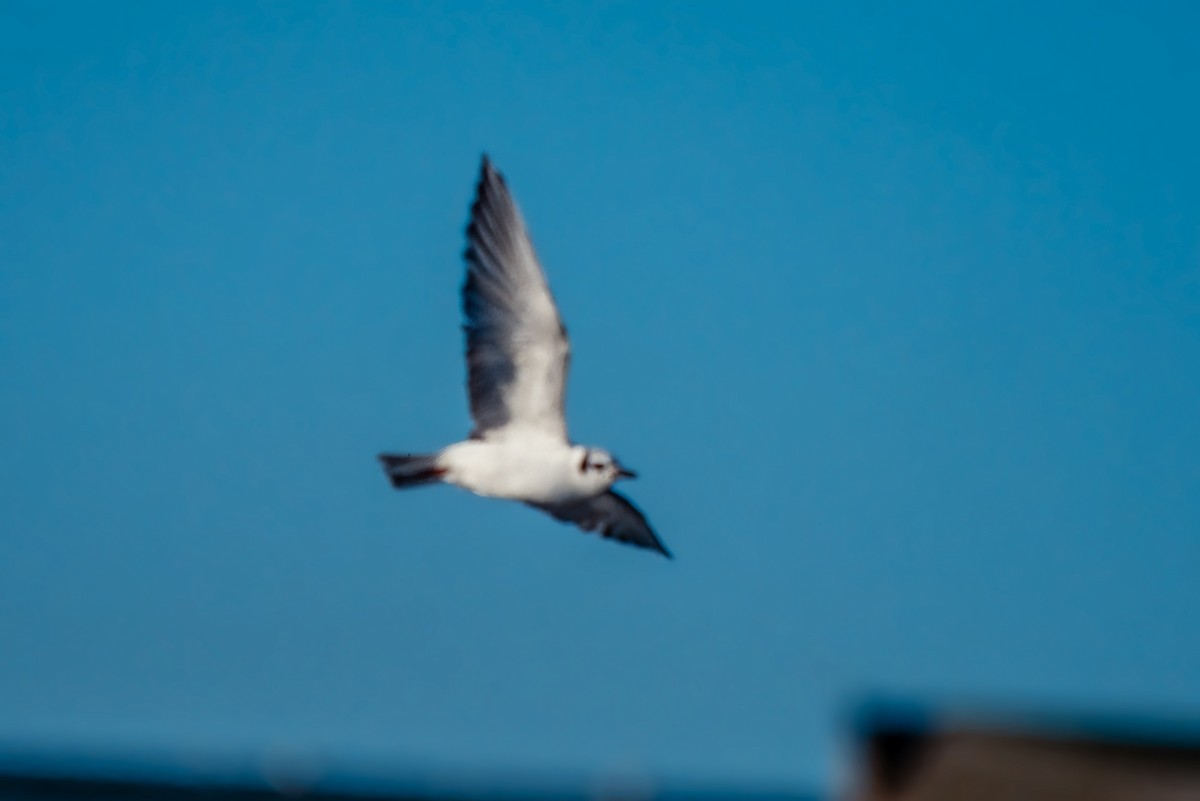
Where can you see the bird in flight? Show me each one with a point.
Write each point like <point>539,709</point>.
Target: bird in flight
<point>517,359</point>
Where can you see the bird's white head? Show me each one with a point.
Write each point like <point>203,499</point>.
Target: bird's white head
<point>598,468</point>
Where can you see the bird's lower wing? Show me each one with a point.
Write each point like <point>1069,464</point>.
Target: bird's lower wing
<point>613,516</point>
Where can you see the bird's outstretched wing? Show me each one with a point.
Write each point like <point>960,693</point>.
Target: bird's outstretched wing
<point>517,348</point>
<point>613,516</point>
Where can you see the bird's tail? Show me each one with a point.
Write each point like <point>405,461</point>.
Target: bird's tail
<point>411,470</point>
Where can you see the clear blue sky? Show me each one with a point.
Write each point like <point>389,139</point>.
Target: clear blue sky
<point>895,310</point>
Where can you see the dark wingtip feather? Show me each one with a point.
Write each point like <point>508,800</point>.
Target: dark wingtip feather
<point>489,190</point>
<point>658,547</point>
<point>486,168</point>
<point>488,174</point>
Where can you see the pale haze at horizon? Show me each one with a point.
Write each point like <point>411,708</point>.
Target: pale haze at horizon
<point>895,312</point>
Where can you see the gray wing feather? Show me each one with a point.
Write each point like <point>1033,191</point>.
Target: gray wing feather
<point>517,348</point>
<point>613,516</point>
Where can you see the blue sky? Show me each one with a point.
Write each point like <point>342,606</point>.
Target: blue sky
<point>895,310</point>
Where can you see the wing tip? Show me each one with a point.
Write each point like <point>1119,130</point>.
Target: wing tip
<point>488,171</point>
<point>650,540</point>
<point>656,545</point>
<point>491,193</point>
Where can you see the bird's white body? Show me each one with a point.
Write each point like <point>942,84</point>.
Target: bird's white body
<point>517,359</point>
<point>525,466</point>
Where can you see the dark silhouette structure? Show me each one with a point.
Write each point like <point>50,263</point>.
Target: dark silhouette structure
<point>913,754</point>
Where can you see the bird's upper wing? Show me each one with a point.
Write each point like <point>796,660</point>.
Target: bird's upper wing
<point>517,348</point>
<point>613,516</point>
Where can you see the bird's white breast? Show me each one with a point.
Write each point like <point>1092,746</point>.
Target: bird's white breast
<point>533,469</point>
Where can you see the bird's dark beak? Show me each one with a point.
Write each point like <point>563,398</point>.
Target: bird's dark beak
<point>623,472</point>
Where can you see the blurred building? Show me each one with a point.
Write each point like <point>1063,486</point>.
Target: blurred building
<point>908,755</point>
